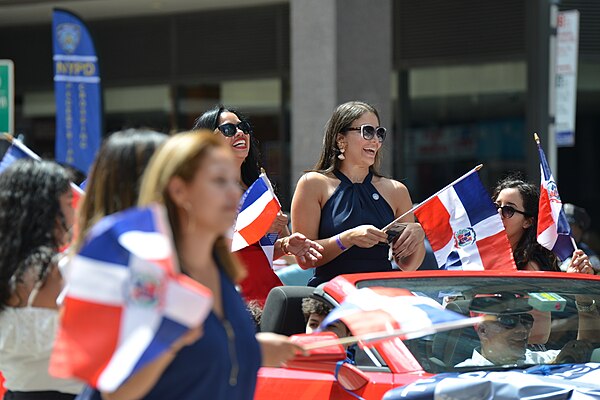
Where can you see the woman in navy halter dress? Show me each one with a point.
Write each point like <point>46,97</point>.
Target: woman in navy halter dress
<point>344,202</point>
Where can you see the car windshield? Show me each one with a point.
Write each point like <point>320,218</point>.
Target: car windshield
<point>536,321</point>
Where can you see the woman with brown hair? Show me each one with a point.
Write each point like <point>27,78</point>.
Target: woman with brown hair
<point>114,180</point>
<point>344,202</point>
<point>194,176</point>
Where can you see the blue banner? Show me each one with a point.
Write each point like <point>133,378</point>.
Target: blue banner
<point>77,91</point>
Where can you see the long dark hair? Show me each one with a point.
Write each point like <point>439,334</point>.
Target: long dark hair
<point>114,180</point>
<point>251,166</point>
<point>29,212</point>
<point>342,119</point>
<point>528,249</point>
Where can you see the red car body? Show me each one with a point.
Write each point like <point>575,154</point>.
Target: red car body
<point>316,380</point>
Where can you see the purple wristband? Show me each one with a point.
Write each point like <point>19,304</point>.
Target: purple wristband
<point>339,243</point>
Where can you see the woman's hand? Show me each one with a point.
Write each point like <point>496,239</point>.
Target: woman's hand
<point>280,224</point>
<point>276,349</point>
<point>307,251</point>
<point>409,241</point>
<point>580,263</point>
<point>366,236</point>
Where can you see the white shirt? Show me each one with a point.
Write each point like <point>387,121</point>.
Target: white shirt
<point>26,339</point>
<point>531,357</point>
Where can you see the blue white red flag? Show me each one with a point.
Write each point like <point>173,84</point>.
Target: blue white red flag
<point>126,302</point>
<point>258,209</point>
<point>551,382</point>
<point>553,230</point>
<point>464,227</point>
<point>18,151</point>
<point>374,311</point>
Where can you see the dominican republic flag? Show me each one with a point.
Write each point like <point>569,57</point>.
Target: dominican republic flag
<point>553,230</point>
<point>551,382</point>
<point>258,208</point>
<point>126,302</point>
<point>18,150</point>
<point>464,227</point>
<point>372,313</point>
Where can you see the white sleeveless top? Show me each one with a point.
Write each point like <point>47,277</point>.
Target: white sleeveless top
<point>26,338</point>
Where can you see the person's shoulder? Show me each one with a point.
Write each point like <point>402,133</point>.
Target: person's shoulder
<point>314,180</point>
<point>389,183</point>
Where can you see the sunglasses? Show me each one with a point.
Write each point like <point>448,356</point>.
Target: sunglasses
<point>509,211</point>
<point>368,132</point>
<point>230,129</point>
<point>511,321</point>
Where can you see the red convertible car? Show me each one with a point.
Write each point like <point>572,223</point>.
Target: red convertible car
<point>561,309</point>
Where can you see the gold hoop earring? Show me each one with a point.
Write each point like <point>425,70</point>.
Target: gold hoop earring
<point>341,156</point>
<point>191,222</point>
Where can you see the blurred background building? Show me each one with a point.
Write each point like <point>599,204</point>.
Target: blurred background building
<point>458,82</point>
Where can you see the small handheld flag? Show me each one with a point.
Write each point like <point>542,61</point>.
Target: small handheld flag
<point>125,301</point>
<point>258,209</point>
<point>553,230</point>
<point>374,314</point>
<point>464,227</point>
<point>18,150</point>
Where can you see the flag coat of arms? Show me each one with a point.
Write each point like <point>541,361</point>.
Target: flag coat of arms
<point>258,209</point>
<point>553,230</point>
<point>125,302</point>
<point>464,227</point>
<point>375,310</point>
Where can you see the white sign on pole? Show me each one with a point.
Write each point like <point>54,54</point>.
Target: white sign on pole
<point>567,50</point>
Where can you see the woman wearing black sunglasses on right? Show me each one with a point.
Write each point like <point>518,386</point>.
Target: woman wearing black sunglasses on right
<point>344,202</point>
<point>517,202</point>
<point>236,131</point>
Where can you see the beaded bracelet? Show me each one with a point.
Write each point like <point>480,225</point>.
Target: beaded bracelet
<point>339,243</point>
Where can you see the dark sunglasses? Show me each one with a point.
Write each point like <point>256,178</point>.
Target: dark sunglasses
<point>509,211</point>
<point>511,321</point>
<point>230,129</point>
<point>368,132</point>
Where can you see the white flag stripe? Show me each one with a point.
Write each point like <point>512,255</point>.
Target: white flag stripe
<point>238,242</point>
<point>125,357</point>
<point>252,212</point>
<point>96,281</point>
<point>489,227</point>
<point>179,300</point>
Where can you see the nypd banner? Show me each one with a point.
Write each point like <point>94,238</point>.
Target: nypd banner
<point>77,91</point>
<point>556,382</point>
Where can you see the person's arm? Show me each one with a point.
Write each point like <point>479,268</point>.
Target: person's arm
<point>276,349</point>
<point>587,310</point>
<point>143,381</point>
<point>409,248</point>
<point>306,217</point>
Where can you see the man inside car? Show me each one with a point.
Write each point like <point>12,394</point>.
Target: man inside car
<point>504,340</point>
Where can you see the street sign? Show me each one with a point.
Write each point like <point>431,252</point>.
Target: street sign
<point>567,50</point>
<point>7,96</point>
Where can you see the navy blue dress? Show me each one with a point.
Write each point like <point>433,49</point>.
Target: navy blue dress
<point>221,365</point>
<point>352,205</point>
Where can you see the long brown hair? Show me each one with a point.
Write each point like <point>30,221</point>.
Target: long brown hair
<point>114,180</point>
<point>182,156</point>
<point>342,119</point>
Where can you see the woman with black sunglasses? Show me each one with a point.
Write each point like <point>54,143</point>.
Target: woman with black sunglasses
<point>517,203</point>
<point>344,202</point>
<point>237,132</point>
